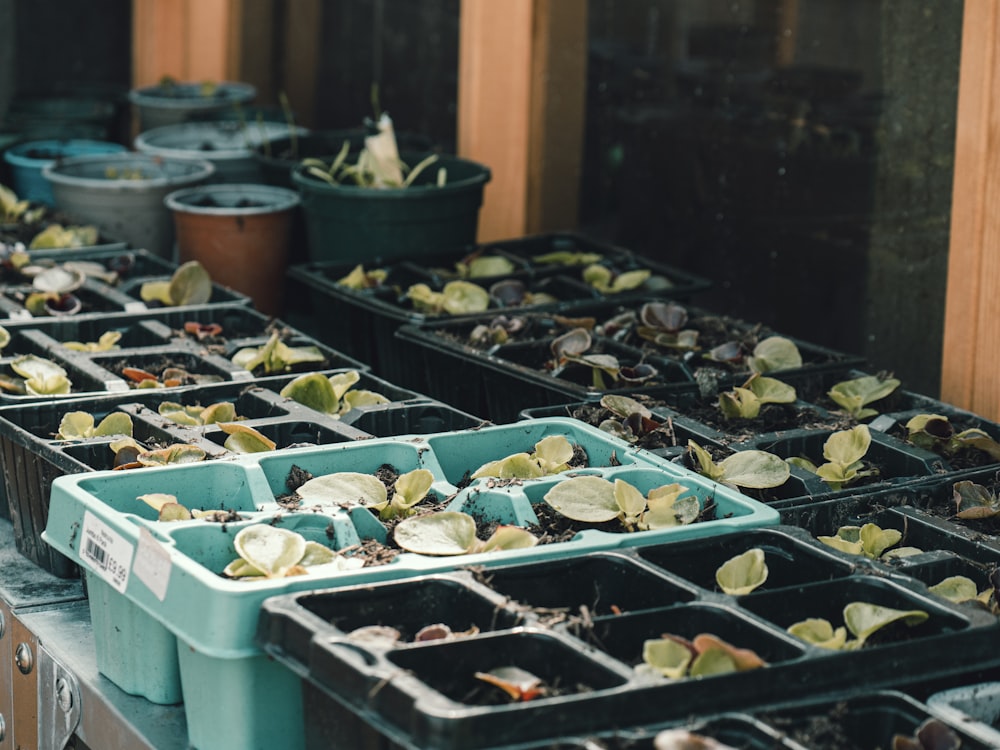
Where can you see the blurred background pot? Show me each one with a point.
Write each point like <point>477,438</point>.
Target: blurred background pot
<point>350,223</point>
<point>228,144</point>
<point>240,234</point>
<point>123,194</point>
<point>173,103</point>
<point>26,161</point>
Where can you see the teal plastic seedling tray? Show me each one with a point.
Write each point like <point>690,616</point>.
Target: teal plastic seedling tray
<point>171,572</point>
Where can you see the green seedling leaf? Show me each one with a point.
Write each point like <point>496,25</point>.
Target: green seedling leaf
<point>754,469</point>
<point>359,279</point>
<point>357,399</point>
<point>174,512</point>
<point>156,291</point>
<point>437,534</point>
<point>956,589</point>
<point>803,463</point>
<point>463,297</point>
<point>743,573</point>
<point>713,661</point>
<point>630,502</point>
<point>843,545</point>
<point>507,538</point>
<point>77,425</point>
<point>485,266</point>
<point>864,619</point>
<point>313,390</point>
<point>854,395</point>
<point>820,632</point>
<point>745,402</point>
<point>706,466</point>
<point>345,488</point>
<point>666,508</point>
<point>567,258</point>
<point>773,354</point>
<point>553,454</point>
<point>269,549</point>
<point>190,284</point>
<point>410,488</point>
<point>107,342</point>
<point>42,377</point>
<point>179,453</point>
<point>973,501</point>
<point>515,466</point>
<point>276,356</point>
<point>245,439</point>
<point>623,406</point>
<point>668,656</point>
<point>223,411</point>
<point>847,446</point>
<point>869,540</point>
<point>739,403</point>
<point>590,499</point>
<point>743,658</point>
<point>4,336</point>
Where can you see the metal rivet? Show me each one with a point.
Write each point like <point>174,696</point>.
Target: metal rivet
<point>64,696</point>
<point>24,658</point>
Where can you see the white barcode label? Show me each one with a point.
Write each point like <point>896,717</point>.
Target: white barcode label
<point>105,551</point>
<point>152,564</point>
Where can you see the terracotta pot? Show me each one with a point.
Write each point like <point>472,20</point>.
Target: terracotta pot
<point>240,234</point>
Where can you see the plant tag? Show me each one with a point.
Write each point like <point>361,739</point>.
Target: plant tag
<point>152,564</point>
<point>106,551</point>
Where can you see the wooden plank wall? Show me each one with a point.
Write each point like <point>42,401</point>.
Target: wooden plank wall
<point>971,356</point>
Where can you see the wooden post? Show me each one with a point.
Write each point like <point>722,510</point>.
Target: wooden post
<point>971,358</point>
<point>522,84</point>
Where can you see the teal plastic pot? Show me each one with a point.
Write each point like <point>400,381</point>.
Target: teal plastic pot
<point>348,223</point>
<point>123,194</point>
<point>26,161</point>
<point>161,105</point>
<point>228,144</point>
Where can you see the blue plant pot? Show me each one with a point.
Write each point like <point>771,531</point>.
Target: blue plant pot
<point>27,160</point>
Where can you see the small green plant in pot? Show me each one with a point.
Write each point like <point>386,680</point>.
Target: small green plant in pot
<point>373,204</point>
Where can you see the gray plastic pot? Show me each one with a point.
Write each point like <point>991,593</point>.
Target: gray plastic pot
<point>123,194</point>
<point>159,105</point>
<point>228,144</point>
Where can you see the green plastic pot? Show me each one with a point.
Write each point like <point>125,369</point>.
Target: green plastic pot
<point>348,223</point>
<point>158,105</point>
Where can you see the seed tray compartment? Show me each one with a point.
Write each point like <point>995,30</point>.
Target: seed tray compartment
<point>420,695</point>
<point>975,708</point>
<point>381,310</point>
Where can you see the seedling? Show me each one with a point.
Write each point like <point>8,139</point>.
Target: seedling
<point>360,279</point>
<point>11,208</point>
<point>853,396</point>
<point>773,354</point>
<point>170,510</point>
<point>567,258</point>
<point>960,589</point>
<point>276,356</point>
<point>497,331</point>
<point>663,324</point>
<point>39,377</point>
<point>843,451</point>
<point>378,164</point>
<point>935,433</point>
<point>515,293</point>
<point>863,620</point>
<point>570,348</point>
<point>57,237</point>
<point>195,416</point>
<point>752,469</point>
<point>552,455</point>
<point>331,395</point>
<point>973,502</point>
<point>632,420</point>
<point>348,488</point>
<point>593,499</point>
<point>519,684</point>
<point>606,281</point>
<point>869,540</point>
<point>745,402</point>
<point>267,551</point>
<point>477,265</point>
<point>743,573</point>
<point>386,635</point>
<point>79,425</point>
<point>454,533</point>
<point>245,439</point>
<point>675,657</point>
<point>170,377</point>
<point>107,342</point>
<point>131,455</point>
<point>455,298</point>
<point>189,285</point>
<point>932,734</point>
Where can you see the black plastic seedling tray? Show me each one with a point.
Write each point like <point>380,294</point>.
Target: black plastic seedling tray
<point>371,316</point>
<point>573,623</point>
